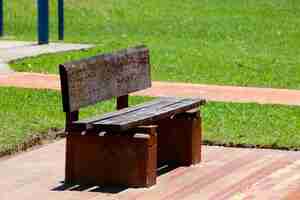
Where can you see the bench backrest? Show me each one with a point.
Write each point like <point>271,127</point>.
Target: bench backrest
<point>102,77</point>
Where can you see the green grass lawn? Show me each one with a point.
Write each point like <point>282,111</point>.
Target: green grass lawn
<point>25,112</point>
<point>232,42</point>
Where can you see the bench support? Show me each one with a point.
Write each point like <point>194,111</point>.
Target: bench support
<point>131,158</point>
<point>122,102</point>
<point>112,159</point>
<point>179,139</point>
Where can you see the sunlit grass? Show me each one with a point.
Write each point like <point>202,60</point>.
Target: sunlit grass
<point>232,42</point>
<point>27,112</point>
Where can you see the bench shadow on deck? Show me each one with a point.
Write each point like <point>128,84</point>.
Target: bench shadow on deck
<point>107,189</point>
<point>89,188</point>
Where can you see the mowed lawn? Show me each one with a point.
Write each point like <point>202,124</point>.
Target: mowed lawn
<point>231,42</point>
<point>25,112</point>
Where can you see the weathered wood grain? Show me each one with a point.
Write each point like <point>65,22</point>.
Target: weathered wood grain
<point>179,139</point>
<point>150,112</point>
<point>113,159</point>
<point>119,112</point>
<point>102,77</point>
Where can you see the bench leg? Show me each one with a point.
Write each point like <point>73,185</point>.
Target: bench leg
<point>179,139</point>
<point>128,160</point>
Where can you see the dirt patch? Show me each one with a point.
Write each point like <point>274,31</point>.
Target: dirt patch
<point>32,142</point>
<point>250,146</point>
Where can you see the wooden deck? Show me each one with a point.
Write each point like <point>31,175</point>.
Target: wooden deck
<point>225,173</point>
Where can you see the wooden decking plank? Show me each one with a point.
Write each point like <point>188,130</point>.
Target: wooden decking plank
<point>15,170</point>
<point>172,180</point>
<point>277,183</point>
<point>293,194</point>
<point>228,168</point>
<point>243,177</point>
<point>33,175</point>
<point>170,188</point>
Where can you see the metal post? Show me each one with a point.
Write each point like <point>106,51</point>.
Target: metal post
<point>43,21</point>
<point>61,19</point>
<point>1,18</point>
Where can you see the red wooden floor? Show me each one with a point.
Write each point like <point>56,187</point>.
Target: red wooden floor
<point>225,173</point>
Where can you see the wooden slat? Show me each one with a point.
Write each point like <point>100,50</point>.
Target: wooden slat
<point>157,109</point>
<point>147,114</point>
<point>105,76</point>
<point>123,111</point>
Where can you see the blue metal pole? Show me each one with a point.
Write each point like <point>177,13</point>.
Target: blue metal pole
<point>1,18</point>
<point>43,21</point>
<point>61,20</point>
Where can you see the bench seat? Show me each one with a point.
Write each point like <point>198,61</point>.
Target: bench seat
<point>147,113</point>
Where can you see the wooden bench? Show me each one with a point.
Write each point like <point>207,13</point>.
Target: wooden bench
<point>124,147</point>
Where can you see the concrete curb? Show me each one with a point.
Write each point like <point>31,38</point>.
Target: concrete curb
<point>14,50</point>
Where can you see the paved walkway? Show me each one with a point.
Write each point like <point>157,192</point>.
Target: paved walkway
<point>224,173</point>
<point>210,92</point>
<point>13,50</point>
